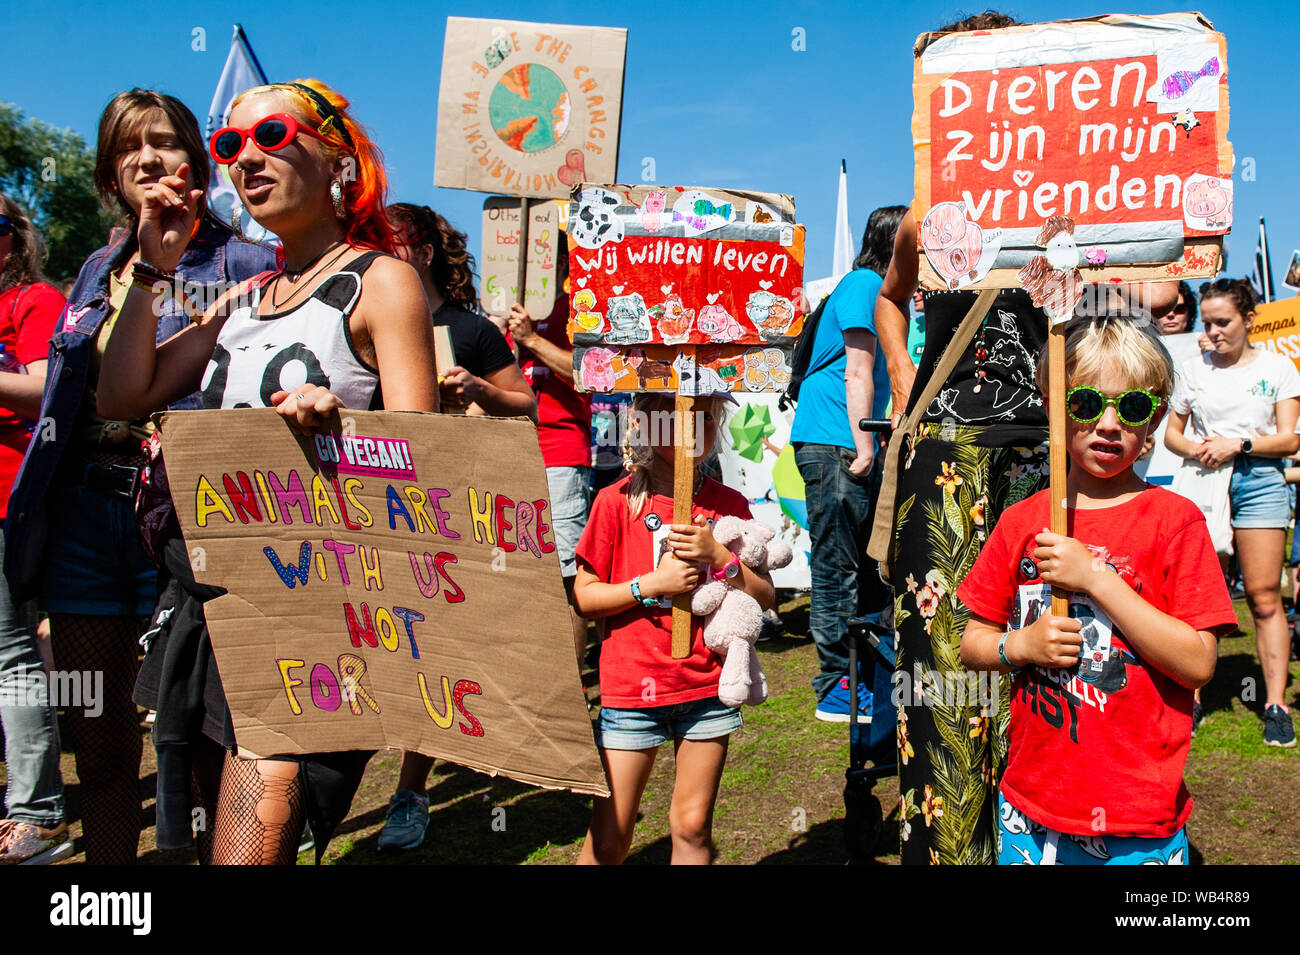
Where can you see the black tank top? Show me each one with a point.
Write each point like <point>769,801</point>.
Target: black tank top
<point>1007,401</point>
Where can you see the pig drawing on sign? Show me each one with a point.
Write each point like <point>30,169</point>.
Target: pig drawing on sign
<point>1207,202</point>
<point>597,370</point>
<point>718,324</point>
<point>958,249</point>
<point>651,210</point>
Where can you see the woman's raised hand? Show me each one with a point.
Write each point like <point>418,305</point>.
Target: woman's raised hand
<point>168,214</point>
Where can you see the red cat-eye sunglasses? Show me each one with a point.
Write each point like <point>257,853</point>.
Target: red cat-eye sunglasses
<point>271,133</point>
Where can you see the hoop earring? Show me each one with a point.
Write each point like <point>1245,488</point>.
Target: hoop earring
<point>336,197</point>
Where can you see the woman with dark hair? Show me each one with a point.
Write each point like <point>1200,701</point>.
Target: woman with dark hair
<point>846,381</point>
<point>307,171</point>
<point>34,831</point>
<point>1182,318</point>
<point>485,379</point>
<point>1243,402</point>
<point>71,540</point>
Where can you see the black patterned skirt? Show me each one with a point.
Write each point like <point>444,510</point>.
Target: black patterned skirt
<point>951,722</point>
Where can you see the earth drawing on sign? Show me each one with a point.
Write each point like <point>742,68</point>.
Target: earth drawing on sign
<point>529,108</point>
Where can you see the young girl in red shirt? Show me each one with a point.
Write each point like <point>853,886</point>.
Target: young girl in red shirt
<point>1101,702</point>
<point>631,561</point>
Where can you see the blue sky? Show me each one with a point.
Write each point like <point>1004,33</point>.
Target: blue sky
<point>715,95</point>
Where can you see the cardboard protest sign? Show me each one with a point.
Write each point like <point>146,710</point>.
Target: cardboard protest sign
<point>1160,466</point>
<point>693,370</point>
<point>499,263</point>
<point>1292,278</point>
<point>655,271</point>
<point>1277,328</point>
<point>366,573</point>
<point>1053,155</point>
<point>528,109</point>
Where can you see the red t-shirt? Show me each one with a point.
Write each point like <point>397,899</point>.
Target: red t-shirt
<point>563,415</point>
<point>1111,734</point>
<point>618,547</point>
<point>28,314</point>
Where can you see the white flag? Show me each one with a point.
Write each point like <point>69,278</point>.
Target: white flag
<point>1262,278</point>
<point>242,72</point>
<point>842,264</point>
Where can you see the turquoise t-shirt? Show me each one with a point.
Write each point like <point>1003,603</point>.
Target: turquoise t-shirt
<point>822,416</point>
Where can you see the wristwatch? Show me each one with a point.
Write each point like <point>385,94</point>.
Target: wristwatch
<point>1247,446</point>
<point>730,571</point>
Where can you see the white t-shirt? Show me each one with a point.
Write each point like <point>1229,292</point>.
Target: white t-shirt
<point>1235,402</point>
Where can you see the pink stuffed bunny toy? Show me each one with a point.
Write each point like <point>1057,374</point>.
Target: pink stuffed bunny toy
<point>733,619</point>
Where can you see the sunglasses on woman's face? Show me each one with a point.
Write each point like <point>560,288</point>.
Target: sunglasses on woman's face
<point>1086,404</point>
<point>270,134</point>
<point>6,227</point>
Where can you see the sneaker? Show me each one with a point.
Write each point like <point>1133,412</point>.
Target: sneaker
<point>1198,714</point>
<point>1278,730</point>
<point>772,627</point>
<point>407,821</point>
<point>834,706</point>
<point>22,843</point>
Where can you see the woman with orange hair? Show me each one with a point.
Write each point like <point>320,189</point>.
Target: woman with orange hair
<point>358,335</point>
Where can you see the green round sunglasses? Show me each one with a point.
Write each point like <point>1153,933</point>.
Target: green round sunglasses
<point>1085,404</point>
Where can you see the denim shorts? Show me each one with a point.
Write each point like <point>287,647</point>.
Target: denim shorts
<point>93,561</point>
<point>1259,494</point>
<point>570,489</point>
<point>652,727</point>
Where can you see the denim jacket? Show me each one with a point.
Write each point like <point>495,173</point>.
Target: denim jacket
<point>213,256</point>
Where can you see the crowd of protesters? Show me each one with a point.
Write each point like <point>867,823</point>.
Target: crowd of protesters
<point>359,286</point>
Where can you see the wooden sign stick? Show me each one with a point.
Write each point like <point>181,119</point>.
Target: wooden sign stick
<point>683,493</point>
<point>521,277</point>
<point>1057,458</point>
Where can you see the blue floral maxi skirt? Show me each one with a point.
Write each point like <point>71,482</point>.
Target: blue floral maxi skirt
<point>951,722</point>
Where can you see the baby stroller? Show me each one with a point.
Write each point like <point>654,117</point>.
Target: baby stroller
<point>872,745</point>
<point>873,751</point>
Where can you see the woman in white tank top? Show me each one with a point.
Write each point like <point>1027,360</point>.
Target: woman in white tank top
<point>343,324</point>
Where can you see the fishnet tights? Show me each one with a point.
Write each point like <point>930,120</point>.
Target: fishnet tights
<point>259,814</point>
<point>207,760</point>
<point>107,746</point>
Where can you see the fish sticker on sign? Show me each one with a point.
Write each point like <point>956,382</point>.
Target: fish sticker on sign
<point>1188,78</point>
<point>698,212</point>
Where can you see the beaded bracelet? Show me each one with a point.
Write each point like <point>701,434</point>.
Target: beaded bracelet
<point>143,269</point>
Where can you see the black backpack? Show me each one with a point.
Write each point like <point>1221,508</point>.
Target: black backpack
<point>803,349</point>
